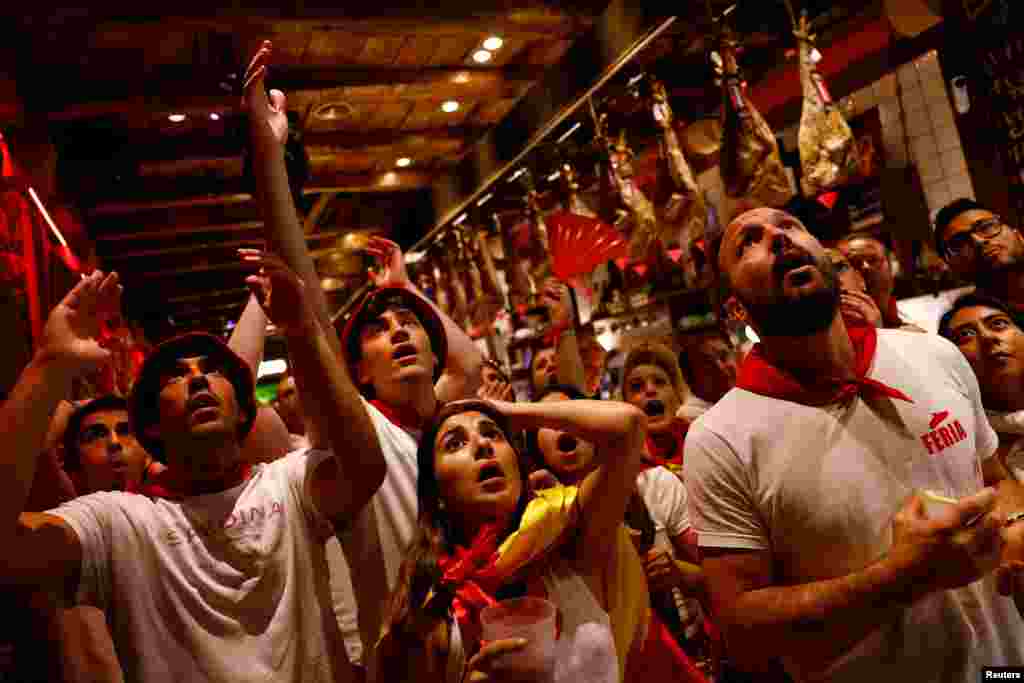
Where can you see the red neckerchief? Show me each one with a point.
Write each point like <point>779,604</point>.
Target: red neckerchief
<point>472,575</point>
<point>758,375</point>
<point>669,458</point>
<point>406,419</point>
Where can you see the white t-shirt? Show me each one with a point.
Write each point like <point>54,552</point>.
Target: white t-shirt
<point>229,586</point>
<point>818,488</point>
<point>375,543</point>
<point>693,407</point>
<point>665,496</point>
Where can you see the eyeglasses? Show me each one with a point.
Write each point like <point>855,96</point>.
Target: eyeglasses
<point>986,228</point>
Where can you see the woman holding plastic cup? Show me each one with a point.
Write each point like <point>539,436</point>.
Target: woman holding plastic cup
<point>485,538</point>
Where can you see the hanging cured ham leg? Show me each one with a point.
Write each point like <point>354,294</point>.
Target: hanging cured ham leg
<point>828,150</point>
<point>751,167</point>
<point>685,213</point>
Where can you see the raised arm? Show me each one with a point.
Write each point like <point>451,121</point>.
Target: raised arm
<point>617,431</point>
<point>342,485</point>
<point>461,377</point>
<point>250,335</point>
<point>41,547</point>
<point>570,369</point>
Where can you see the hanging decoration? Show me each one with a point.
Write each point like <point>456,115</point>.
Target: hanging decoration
<point>751,167</point>
<point>828,150</point>
<point>685,212</point>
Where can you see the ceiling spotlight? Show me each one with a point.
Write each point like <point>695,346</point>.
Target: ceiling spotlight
<point>482,56</point>
<point>176,118</point>
<point>450,106</point>
<point>493,43</point>
<point>214,116</point>
<point>403,162</point>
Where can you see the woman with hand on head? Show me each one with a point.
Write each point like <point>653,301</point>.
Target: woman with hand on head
<point>484,537</point>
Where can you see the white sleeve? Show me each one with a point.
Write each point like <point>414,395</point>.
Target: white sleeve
<point>91,519</point>
<point>665,496</point>
<point>986,440</point>
<point>299,468</point>
<point>722,506</point>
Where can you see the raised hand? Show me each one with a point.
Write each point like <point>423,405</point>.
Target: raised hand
<point>281,292</point>
<point>270,112</point>
<point>392,271</point>
<point>860,307</point>
<point>559,303</point>
<point>72,333</point>
<point>498,390</point>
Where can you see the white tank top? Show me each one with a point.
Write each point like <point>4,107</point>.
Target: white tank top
<point>585,651</point>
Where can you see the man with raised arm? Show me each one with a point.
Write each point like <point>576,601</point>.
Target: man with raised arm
<point>807,484</point>
<point>402,353</point>
<point>224,579</point>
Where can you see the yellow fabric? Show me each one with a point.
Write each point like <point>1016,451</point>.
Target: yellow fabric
<point>545,520</point>
<point>629,601</point>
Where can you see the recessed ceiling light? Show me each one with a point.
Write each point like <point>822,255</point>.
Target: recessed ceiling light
<point>493,43</point>
<point>461,77</point>
<point>482,56</point>
<point>176,118</point>
<point>214,116</point>
<point>403,162</point>
<point>450,106</point>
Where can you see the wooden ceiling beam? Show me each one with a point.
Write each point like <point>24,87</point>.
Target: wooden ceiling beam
<point>147,98</point>
<point>392,17</point>
<point>158,193</point>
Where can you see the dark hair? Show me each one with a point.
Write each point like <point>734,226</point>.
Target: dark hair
<point>533,454</point>
<point>103,404</point>
<point>371,307</point>
<point>947,215</point>
<point>435,536</point>
<point>688,339</point>
<point>970,301</point>
<point>879,236</point>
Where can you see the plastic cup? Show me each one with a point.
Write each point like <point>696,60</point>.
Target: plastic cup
<point>532,619</point>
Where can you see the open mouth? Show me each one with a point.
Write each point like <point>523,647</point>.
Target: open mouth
<point>200,401</point>
<point>490,470</point>
<point>654,408</point>
<point>404,351</point>
<point>567,443</point>
<point>800,276</point>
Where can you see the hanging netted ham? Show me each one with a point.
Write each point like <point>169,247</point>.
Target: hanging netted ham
<point>441,296</point>
<point>750,163</point>
<point>460,300</point>
<point>685,210</point>
<point>623,204</point>
<point>828,150</point>
<point>517,276</point>
<point>538,251</point>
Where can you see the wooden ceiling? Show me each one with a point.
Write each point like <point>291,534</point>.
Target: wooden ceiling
<point>167,202</point>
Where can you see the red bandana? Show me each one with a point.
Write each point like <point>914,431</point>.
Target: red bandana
<point>759,376</point>
<point>670,458</point>
<point>472,574</point>
<point>406,419</point>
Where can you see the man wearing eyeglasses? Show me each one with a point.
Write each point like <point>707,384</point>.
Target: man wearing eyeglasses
<point>979,247</point>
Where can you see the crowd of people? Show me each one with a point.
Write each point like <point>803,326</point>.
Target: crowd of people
<point>841,501</point>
